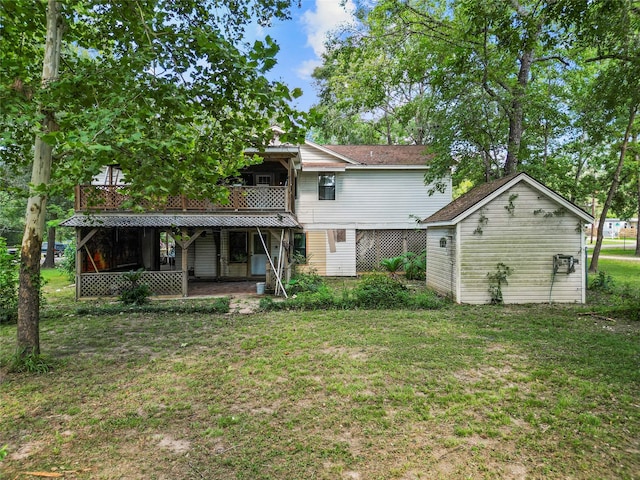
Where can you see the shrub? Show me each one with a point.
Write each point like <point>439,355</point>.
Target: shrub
<point>377,290</point>
<point>426,301</point>
<point>603,282</point>
<point>8,285</point>
<point>136,293</point>
<point>415,265</point>
<point>392,265</point>
<point>304,282</point>
<point>68,263</point>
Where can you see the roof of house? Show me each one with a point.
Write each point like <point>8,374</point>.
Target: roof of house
<point>383,154</point>
<point>479,196</point>
<point>271,220</point>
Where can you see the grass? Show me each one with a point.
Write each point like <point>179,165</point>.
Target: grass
<point>623,271</point>
<point>462,392</point>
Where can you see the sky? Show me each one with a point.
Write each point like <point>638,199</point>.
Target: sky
<point>301,42</point>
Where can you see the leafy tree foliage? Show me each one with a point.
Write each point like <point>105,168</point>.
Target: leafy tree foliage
<point>491,87</point>
<point>167,89</point>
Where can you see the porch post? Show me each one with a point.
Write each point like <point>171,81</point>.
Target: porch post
<point>78,254</point>
<point>185,267</point>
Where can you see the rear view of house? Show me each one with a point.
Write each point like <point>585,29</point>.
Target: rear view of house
<point>338,209</point>
<point>513,240</point>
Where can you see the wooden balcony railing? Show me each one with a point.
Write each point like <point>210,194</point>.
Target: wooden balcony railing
<point>114,197</point>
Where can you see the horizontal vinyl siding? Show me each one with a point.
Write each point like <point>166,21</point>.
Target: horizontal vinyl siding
<point>317,251</point>
<point>369,199</point>
<point>526,242</point>
<point>440,271</point>
<point>342,262</point>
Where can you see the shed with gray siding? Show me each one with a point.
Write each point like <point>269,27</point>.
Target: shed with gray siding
<point>517,223</point>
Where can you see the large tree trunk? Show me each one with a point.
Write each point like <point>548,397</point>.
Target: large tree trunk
<point>516,114</point>
<point>637,254</point>
<point>50,254</point>
<point>593,267</point>
<point>29,289</point>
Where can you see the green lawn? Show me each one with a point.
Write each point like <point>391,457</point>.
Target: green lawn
<point>463,392</point>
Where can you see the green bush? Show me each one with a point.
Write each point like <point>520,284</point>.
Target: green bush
<point>318,300</point>
<point>415,265</point>
<point>68,263</point>
<point>8,285</point>
<point>215,306</point>
<point>426,301</point>
<point>392,265</point>
<point>304,282</point>
<point>373,291</point>
<point>377,290</point>
<point>135,293</point>
<point>602,282</point>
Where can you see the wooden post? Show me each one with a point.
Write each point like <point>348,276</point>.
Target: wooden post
<point>185,266</point>
<point>78,265</point>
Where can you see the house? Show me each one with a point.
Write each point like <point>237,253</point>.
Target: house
<point>339,209</point>
<point>618,228</point>
<point>512,238</point>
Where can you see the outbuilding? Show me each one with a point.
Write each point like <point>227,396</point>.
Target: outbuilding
<point>513,240</point>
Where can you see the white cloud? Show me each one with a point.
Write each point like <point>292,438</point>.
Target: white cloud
<point>307,67</point>
<point>327,17</point>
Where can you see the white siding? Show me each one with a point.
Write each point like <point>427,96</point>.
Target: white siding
<point>526,241</point>
<point>342,262</point>
<point>315,155</point>
<point>368,199</point>
<point>102,178</point>
<point>441,261</point>
<point>339,263</point>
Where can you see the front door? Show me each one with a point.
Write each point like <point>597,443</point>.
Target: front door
<point>258,255</point>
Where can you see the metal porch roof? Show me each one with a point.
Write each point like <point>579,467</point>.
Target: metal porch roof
<point>270,220</point>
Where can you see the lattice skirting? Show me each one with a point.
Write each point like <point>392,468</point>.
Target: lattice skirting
<point>375,245</point>
<point>111,284</point>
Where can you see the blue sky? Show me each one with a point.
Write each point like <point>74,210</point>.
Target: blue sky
<point>301,42</point>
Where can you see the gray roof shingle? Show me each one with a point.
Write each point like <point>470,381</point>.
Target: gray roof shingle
<point>271,220</point>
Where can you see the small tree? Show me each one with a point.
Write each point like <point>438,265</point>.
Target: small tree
<point>135,293</point>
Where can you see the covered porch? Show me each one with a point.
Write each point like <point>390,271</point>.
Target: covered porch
<point>205,250</point>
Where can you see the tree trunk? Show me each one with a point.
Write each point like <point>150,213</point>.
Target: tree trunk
<point>516,115</point>
<point>593,267</point>
<point>29,289</point>
<point>50,255</point>
<point>637,253</point>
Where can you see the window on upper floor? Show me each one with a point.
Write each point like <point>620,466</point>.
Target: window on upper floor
<point>326,186</point>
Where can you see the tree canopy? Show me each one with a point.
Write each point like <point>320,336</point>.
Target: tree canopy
<point>169,90</point>
<point>159,87</point>
<point>490,87</point>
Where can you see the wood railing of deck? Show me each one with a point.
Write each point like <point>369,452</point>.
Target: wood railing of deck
<point>114,197</point>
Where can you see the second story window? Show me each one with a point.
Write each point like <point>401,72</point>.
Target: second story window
<point>327,186</point>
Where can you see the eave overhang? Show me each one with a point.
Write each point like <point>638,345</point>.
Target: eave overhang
<point>152,220</point>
